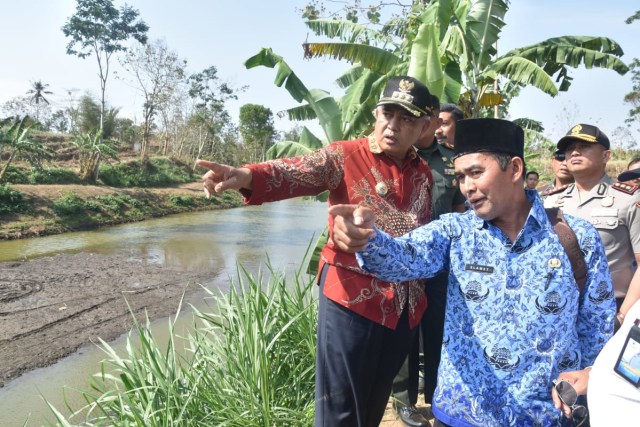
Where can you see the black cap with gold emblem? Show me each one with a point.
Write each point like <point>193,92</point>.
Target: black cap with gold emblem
<point>488,135</point>
<point>409,93</point>
<point>584,133</point>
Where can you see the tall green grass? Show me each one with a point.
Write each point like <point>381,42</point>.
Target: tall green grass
<point>249,361</point>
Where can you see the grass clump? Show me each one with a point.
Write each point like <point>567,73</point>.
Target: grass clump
<point>156,172</point>
<point>249,363</point>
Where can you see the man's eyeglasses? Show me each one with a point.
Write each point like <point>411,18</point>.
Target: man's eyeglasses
<point>559,157</point>
<point>569,397</point>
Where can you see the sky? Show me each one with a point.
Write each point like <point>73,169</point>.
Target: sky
<point>226,33</point>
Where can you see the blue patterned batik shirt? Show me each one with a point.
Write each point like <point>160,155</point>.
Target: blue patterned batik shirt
<point>515,318</point>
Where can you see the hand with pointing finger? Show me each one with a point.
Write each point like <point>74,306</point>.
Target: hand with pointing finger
<point>352,226</point>
<point>224,177</point>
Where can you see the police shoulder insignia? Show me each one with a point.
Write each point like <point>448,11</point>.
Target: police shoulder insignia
<point>625,188</point>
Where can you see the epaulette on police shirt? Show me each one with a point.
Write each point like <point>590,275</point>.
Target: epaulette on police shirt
<point>553,191</point>
<point>625,188</point>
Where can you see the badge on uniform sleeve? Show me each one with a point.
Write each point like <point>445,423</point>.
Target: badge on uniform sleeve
<point>454,182</point>
<point>607,202</point>
<point>381,189</point>
<point>554,263</point>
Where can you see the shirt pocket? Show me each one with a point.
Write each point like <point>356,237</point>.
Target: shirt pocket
<point>605,218</point>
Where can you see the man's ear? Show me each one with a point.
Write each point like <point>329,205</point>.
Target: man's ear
<point>606,155</point>
<point>517,167</point>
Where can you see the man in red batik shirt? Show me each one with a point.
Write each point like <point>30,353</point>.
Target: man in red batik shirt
<point>365,325</point>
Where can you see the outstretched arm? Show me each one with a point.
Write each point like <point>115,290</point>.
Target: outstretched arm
<point>353,226</point>
<point>221,177</point>
<point>419,254</point>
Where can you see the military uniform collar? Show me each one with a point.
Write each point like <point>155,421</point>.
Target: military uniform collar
<point>436,147</point>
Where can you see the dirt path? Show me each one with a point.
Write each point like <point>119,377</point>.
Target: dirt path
<point>81,297</point>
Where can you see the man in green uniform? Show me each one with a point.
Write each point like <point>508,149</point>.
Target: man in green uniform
<point>612,207</point>
<point>446,198</point>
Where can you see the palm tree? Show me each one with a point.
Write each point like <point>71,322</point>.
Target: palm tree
<point>37,95</point>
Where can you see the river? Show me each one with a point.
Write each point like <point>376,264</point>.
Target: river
<point>207,241</point>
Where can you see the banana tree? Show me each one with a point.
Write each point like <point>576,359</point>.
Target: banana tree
<point>91,150</point>
<point>16,140</point>
<point>452,48</point>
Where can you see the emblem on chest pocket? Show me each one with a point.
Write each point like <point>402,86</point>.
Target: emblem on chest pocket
<point>472,292</point>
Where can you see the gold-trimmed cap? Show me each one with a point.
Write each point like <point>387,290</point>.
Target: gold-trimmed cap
<point>584,133</point>
<point>409,93</point>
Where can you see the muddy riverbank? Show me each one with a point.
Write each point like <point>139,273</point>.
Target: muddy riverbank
<point>51,306</point>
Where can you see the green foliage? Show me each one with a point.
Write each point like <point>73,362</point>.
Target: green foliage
<point>249,363</point>
<point>98,28</point>
<point>182,200</point>
<point>116,202</point>
<point>257,130</point>
<point>633,97</point>
<point>156,172</point>
<point>11,201</point>
<point>53,176</point>
<point>89,116</point>
<point>69,204</point>
<point>92,148</point>
<point>15,136</point>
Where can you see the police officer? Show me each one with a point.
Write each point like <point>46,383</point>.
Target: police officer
<point>612,207</point>
<point>446,198</point>
<point>549,193</point>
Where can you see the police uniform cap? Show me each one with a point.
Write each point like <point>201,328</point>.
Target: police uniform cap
<point>488,135</point>
<point>629,175</point>
<point>409,93</point>
<point>584,133</point>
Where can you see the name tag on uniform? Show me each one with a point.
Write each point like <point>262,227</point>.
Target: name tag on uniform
<point>479,268</point>
<point>604,212</point>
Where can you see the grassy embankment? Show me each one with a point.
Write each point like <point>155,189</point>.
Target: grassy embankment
<point>249,363</point>
<point>38,202</point>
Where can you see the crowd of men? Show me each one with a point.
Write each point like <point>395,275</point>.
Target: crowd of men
<point>435,248</point>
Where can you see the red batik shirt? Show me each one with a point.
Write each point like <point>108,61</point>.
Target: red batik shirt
<point>357,172</point>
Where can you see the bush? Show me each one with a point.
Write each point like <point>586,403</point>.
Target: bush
<point>54,176</point>
<point>69,204</point>
<point>182,200</point>
<point>16,175</point>
<point>11,201</point>
<point>115,202</point>
<point>251,363</point>
<point>157,172</point>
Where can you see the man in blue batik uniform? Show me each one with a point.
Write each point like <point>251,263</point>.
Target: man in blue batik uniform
<point>515,317</point>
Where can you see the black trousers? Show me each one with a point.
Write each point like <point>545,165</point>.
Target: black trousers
<point>405,384</point>
<point>356,362</point>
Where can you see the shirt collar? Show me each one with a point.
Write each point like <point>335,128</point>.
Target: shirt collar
<point>537,213</point>
<point>412,154</point>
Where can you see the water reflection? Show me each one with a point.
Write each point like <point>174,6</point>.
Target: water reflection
<point>213,241</point>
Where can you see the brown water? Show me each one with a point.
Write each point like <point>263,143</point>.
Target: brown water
<point>206,241</point>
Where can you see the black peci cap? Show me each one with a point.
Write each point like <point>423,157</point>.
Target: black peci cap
<point>409,93</point>
<point>584,133</point>
<point>629,175</point>
<point>488,135</point>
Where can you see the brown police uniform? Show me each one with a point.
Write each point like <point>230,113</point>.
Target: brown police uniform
<point>614,209</point>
